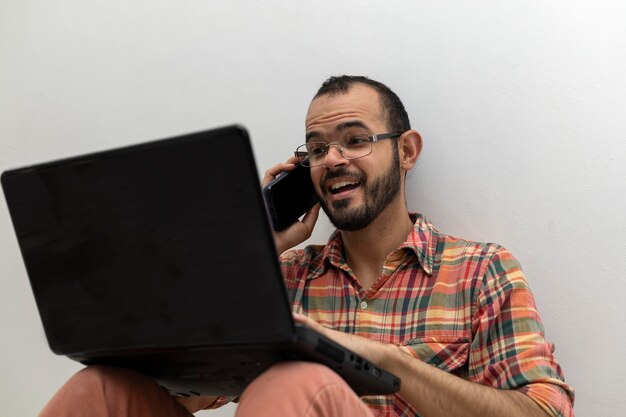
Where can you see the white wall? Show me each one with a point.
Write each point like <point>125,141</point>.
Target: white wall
<point>521,106</point>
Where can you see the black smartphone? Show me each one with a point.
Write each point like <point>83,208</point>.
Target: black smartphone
<point>289,196</point>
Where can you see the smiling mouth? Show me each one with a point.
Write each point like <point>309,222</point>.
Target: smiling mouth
<point>343,186</point>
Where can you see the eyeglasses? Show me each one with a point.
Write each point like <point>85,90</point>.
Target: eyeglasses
<point>353,146</point>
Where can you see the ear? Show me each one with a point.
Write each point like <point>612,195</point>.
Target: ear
<point>409,147</point>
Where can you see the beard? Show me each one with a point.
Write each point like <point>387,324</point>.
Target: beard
<point>377,195</point>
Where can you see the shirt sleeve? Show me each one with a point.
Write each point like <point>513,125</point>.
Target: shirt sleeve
<point>509,350</point>
<point>295,265</point>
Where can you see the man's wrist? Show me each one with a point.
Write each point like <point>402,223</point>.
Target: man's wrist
<point>392,356</point>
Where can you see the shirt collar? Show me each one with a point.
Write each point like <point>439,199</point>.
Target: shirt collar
<point>421,240</point>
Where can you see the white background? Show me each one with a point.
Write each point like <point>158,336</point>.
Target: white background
<point>522,107</point>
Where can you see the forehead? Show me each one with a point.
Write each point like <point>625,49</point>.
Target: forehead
<point>361,103</point>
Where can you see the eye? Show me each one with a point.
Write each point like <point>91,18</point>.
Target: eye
<point>316,149</point>
<point>357,139</point>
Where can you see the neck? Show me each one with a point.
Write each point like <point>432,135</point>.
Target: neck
<point>367,249</point>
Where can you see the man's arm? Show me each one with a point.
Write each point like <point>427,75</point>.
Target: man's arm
<point>431,391</point>
<point>434,392</point>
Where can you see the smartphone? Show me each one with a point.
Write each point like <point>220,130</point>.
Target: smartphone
<point>289,196</point>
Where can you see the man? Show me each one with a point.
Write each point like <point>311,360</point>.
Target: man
<point>454,319</point>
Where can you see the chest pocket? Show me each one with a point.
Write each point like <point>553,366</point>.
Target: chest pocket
<point>447,353</point>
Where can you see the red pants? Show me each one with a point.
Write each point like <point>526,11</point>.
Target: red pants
<point>290,389</point>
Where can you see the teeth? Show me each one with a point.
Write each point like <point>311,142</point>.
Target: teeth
<point>342,184</point>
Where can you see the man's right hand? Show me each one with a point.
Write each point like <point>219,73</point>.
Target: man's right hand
<point>300,230</point>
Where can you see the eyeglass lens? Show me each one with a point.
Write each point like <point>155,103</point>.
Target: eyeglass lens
<point>351,147</point>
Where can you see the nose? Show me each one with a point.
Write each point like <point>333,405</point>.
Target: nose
<point>334,157</point>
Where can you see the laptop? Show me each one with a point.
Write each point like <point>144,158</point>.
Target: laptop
<point>159,257</point>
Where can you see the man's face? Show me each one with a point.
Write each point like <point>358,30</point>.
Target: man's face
<point>353,193</point>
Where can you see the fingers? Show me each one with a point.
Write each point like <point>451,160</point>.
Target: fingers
<point>273,172</point>
<point>297,232</point>
<point>302,319</point>
<point>308,221</point>
<point>310,218</point>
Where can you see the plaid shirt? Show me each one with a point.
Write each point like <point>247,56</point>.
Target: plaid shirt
<point>462,306</point>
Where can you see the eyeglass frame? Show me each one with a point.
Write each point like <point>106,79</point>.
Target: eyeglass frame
<point>304,156</point>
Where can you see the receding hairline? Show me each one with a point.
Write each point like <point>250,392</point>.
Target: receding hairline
<point>384,113</point>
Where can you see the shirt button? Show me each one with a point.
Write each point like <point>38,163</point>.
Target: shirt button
<point>363,305</point>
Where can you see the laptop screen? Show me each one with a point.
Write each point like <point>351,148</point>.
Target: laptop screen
<point>162,244</point>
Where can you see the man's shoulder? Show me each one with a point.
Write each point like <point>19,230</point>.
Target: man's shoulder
<point>438,247</point>
<point>454,245</point>
<point>470,258</point>
<point>491,263</point>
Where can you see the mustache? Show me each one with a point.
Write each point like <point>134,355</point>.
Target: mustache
<point>341,172</point>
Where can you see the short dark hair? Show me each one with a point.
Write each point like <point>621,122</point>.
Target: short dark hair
<point>390,103</point>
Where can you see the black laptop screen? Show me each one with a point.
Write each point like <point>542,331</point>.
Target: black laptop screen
<point>143,246</point>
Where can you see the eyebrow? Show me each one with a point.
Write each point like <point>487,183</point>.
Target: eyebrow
<point>339,128</point>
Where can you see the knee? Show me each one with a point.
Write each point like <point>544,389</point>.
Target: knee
<point>296,378</point>
<point>84,390</point>
<point>302,373</point>
<point>96,377</point>
<point>95,373</point>
<point>91,376</point>
<point>96,390</point>
<point>299,388</point>
<point>100,373</point>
